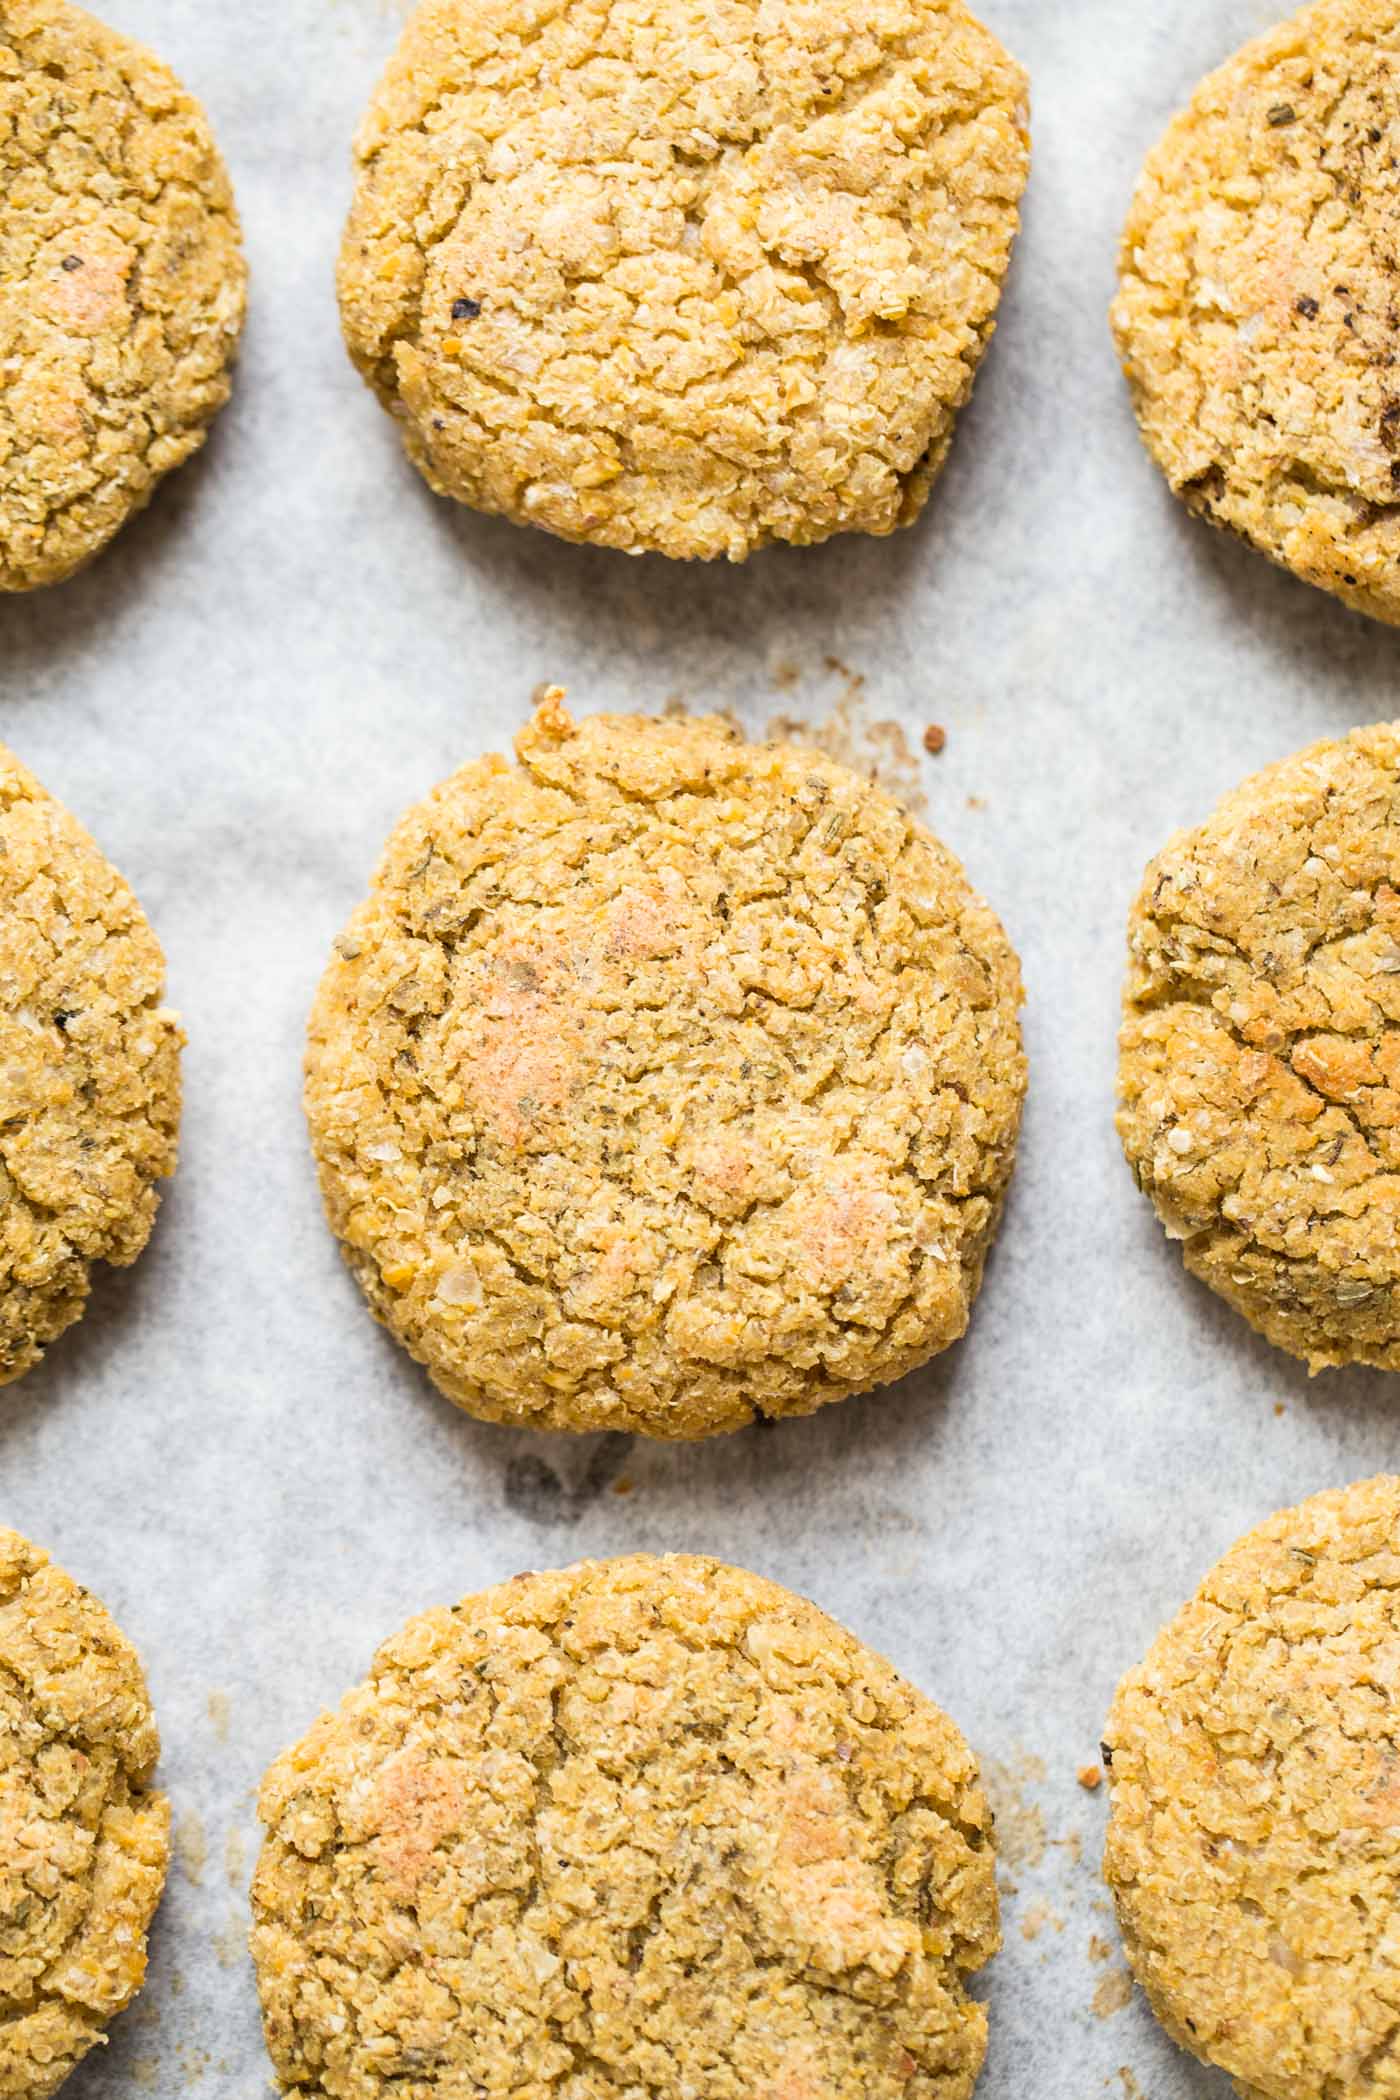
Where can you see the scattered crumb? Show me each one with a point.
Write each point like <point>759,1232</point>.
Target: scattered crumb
<point>935,738</point>
<point>1037,1918</point>
<point>1020,1823</point>
<point>219,1714</point>
<point>878,750</point>
<point>675,709</point>
<point>1131,2088</point>
<point>1099,1950</point>
<point>786,674</point>
<point>1114,1992</point>
<point>624,1486</point>
<point>975,802</point>
<point>854,679</point>
<point>191,1849</point>
<point>1279,1408</point>
<point>1090,1777</point>
<point>235,1857</point>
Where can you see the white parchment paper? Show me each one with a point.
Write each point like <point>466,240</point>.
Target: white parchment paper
<point>293,645</point>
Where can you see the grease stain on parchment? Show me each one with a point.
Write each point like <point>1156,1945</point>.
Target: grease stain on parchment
<point>1037,1919</point>
<point>1072,1846</point>
<point>191,1847</point>
<point>1020,1821</point>
<point>1115,1990</point>
<point>231,1941</point>
<point>235,1857</point>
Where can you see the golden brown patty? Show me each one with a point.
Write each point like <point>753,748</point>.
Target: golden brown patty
<point>121,285</point>
<point>689,277</point>
<point>84,1839</point>
<point>1259,1078</point>
<point>89,1069</point>
<point>1254,1846</point>
<point>665,1080</point>
<point>643,1828</point>
<point>1256,314</point>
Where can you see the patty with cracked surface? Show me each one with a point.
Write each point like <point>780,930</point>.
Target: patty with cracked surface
<point>686,278</point>
<point>664,1081</point>
<point>1256,316</point>
<point>1259,1074</point>
<point>1254,1844</point>
<point>84,1837</point>
<point>89,1069</point>
<point>121,285</point>
<point>646,1827</point>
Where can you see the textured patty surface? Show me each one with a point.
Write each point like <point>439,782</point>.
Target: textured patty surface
<point>84,1839</point>
<point>121,284</point>
<point>1254,1845</point>
<point>687,276</point>
<point>1259,1076</point>
<point>644,1827</point>
<point>1256,314</point>
<point>89,1069</point>
<point>665,1080</point>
